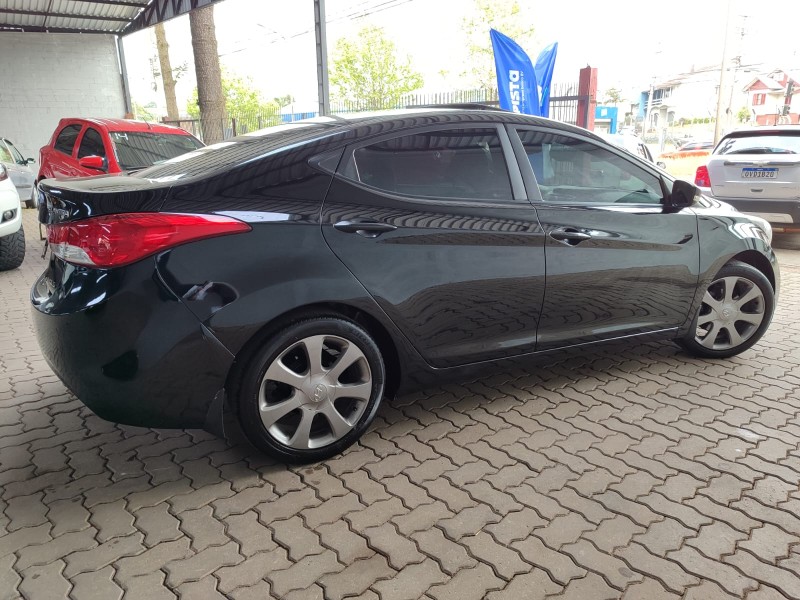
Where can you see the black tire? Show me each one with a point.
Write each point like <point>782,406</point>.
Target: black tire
<point>12,250</point>
<point>285,353</point>
<point>32,201</point>
<point>733,317</point>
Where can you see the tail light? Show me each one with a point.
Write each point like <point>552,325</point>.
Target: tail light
<point>3,173</point>
<point>118,240</point>
<point>701,177</point>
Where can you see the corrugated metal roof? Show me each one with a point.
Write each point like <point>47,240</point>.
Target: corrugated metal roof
<point>90,16</point>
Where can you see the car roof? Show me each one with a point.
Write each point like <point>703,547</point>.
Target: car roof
<point>128,125</point>
<point>760,129</point>
<point>414,117</point>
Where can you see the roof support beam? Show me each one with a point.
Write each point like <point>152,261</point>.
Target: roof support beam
<point>158,11</point>
<point>55,15</point>
<point>130,3</point>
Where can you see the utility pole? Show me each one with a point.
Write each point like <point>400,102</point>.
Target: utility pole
<point>722,72</point>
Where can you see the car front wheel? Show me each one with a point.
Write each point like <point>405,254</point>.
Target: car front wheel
<point>735,311</point>
<point>312,390</point>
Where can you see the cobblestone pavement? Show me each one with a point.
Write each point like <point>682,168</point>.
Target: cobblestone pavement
<point>634,474</point>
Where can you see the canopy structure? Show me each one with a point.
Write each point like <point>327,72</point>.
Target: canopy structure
<point>116,17</point>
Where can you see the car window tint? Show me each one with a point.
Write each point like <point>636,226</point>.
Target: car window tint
<point>453,163</point>
<point>92,144</point>
<point>65,141</point>
<point>572,170</point>
<point>784,143</point>
<point>136,149</point>
<point>15,154</point>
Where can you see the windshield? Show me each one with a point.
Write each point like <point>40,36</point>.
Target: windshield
<point>768,143</point>
<point>139,149</point>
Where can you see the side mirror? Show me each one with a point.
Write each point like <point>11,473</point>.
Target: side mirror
<point>93,162</point>
<point>682,196</point>
<point>30,161</point>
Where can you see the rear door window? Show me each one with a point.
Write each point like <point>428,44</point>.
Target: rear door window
<point>92,144</point>
<point>5,155</point>
<point>16,155</point>
<point>65,142</point>
<point>450,163</point>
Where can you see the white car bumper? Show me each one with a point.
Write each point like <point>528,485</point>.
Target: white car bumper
<point>9,201</point>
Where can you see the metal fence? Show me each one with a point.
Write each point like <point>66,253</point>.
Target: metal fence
<point>567,104</point>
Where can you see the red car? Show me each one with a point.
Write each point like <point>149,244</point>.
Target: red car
<point>83,147</point>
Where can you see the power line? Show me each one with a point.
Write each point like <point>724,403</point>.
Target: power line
<point>359,13</point>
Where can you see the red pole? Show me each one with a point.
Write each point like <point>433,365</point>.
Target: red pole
<point>587,90</point>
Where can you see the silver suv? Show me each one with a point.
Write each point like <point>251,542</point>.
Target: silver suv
<point>757,170</point>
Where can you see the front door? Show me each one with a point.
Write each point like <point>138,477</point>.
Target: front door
<point>617,264</point>
<point>438,230</point>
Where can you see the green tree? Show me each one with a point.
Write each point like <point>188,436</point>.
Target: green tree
<point>613,96</point>
<point>240,97</point>
<point>505,16</point>
<point>244,103</point>
<point>145,112</point>
<point>367,72</point>
<point>210,99</point>
<point>743,115</point>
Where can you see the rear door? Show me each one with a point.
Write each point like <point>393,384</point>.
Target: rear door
<point>435,224</point>
<point>617,265</point>
<point>61,160</point>
<point>765,166</point>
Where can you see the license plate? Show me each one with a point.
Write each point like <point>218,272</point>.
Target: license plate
<point>759,173</point>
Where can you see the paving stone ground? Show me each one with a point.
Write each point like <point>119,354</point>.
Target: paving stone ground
<point>634,473</point>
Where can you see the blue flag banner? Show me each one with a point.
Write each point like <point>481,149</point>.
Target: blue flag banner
<point>516,78</point>
<point>545,65</point>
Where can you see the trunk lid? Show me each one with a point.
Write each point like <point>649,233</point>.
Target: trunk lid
<point>64,200</point>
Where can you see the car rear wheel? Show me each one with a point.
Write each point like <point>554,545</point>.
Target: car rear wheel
<point>735,311</point>
<point>32,202</point>
<point>312,390</point>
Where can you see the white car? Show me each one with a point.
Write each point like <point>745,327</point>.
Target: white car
<point>757,170</point>
<point>631,143</point>
<point>12,235</point>
<point>19,171</point>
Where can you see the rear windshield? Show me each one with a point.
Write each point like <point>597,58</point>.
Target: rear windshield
<point>139,149</point>
<point>768,143</point>
<point>238,150</point>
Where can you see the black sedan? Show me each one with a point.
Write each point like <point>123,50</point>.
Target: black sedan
<point>305,272</point>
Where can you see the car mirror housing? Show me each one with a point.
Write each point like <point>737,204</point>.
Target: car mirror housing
<point>682,196</point>
<point>93,162</point>
<point>30,161</point>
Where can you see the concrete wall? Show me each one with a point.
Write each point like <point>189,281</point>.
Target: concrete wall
<point>45,77</point>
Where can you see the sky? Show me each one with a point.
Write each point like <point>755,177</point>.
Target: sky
<point>632,43</point>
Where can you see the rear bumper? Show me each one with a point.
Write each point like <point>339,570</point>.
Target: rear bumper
<point>126,347</point>
<point>782,214</point>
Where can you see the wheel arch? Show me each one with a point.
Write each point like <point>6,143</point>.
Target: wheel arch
<point>386,344</point>
<point>758,261</point>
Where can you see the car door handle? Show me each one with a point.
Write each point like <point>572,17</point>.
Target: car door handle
<point>571,237</point>
<point>369,229</point>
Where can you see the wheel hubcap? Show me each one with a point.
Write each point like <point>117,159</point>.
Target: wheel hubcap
<point>315,392</point>
<point>731,312</point>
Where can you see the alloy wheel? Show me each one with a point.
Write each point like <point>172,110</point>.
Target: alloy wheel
<point>731,312</point>
<point>315,391</point>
